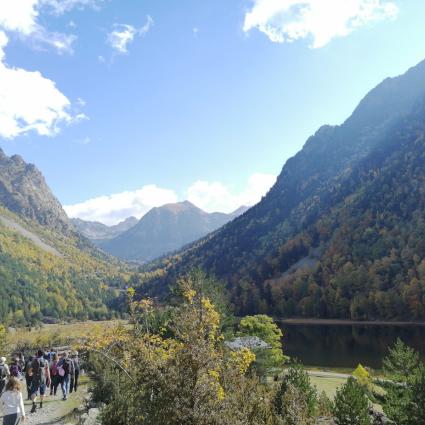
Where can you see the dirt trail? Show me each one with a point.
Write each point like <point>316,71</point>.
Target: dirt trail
<point>55,411</point>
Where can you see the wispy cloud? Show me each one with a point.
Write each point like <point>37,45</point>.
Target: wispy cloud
<point>210,196</point>
<point>322,20</point>
<point>123,34</point>
<point>59,7</point>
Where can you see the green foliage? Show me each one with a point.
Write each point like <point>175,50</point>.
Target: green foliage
<point>324,405</point>
<point>401,367</point>
<point>416,410</point>
<point>296,383</point>
<point>351,405</point>
<point>401,363</point>
<point>264,327</point>
<point>75,283</point>
<point>178,375</point>
<point>3,338</point>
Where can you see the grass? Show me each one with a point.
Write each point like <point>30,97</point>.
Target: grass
<point>327,384</point>
<point>55,335</point>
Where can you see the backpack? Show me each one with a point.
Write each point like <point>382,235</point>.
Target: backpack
<point>3,373</point>
<point>14,371</point>
<point>38,370</point>
<point>54,369</point>
<point>67,366</point>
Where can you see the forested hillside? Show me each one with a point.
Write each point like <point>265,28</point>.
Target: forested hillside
<point>38,284</point>
<point>341,234</point>
<point>48,271</point>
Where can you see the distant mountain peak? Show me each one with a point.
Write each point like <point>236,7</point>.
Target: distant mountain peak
<point>164,229</point>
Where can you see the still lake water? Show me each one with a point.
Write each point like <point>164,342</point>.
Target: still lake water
<point>331,345</point>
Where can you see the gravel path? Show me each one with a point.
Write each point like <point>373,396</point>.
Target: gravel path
<point>55,411</point>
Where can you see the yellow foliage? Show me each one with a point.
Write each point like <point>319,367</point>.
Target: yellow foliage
<point>242,359</point>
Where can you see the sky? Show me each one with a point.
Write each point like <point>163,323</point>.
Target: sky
<point>129,104</point>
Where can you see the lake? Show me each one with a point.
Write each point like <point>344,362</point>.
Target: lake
<point>346,345</point>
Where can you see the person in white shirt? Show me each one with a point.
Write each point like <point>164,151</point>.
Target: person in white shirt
<point>12,403</point>
<point>4,373</point>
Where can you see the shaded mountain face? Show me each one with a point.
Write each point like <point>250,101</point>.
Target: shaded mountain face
<point>165,229</point>
<point>339,233</point>
<point>96,231</point>
<point>24,191</point>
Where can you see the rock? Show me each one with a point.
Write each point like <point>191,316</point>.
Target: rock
<point>90,418</point>
<point>379,418</point>
<point>24,191</point>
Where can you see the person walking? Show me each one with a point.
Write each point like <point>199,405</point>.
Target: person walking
<point>4,373</point>
<point>11,403</point>
<point>54,375</point>
<point>66,370</point>
<point>28,375</point>
<point>76,375</point>
<point>15,368</point>
<point>40,379</point>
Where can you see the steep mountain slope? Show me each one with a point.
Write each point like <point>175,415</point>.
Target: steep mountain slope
<point>24,191</point>
<point>339,234</point>
<point>48,271</point>
<point>165,229</point>
<point>96,231</point>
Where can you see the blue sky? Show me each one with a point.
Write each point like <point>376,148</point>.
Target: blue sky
<point>154,101</point>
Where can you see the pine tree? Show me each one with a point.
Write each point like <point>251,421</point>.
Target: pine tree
<point>416,412</point>
<point>351,405</point>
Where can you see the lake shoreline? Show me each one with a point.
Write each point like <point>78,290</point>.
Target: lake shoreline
<point>346,322</point>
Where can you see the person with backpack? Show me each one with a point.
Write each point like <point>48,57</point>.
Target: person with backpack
<point>76,375</point>
<point>40,379</point>
<point>28,375</point>
<point>4,373</point>
<point>15,369</point>
<point>11,403</point>
<point>54,375</point>
<point>66,370</point>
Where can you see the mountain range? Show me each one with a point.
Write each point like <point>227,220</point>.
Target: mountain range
<point>160,231</point>
<point>341,233</point>
<point>98,232</point>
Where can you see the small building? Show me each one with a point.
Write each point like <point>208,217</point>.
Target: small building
<point>251,342</point>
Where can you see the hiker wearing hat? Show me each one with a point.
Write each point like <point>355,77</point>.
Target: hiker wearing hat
<point>4,373</point>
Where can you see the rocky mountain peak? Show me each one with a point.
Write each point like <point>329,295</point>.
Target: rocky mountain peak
<point>24,191</point>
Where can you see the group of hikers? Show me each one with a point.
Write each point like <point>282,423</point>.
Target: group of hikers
<point>43,374</point>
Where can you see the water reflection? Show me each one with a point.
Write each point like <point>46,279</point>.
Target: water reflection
<point>347,345</point>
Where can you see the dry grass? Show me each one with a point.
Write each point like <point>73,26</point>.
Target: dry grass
<point>23,339</point>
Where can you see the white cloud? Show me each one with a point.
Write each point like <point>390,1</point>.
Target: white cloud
<point>290,20</point>
<point>215,196</point>
<point>123,34</point>
<point>28,101</point>
<point>210,196</point>
<point>18,15</point>
<point>114,208</point>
